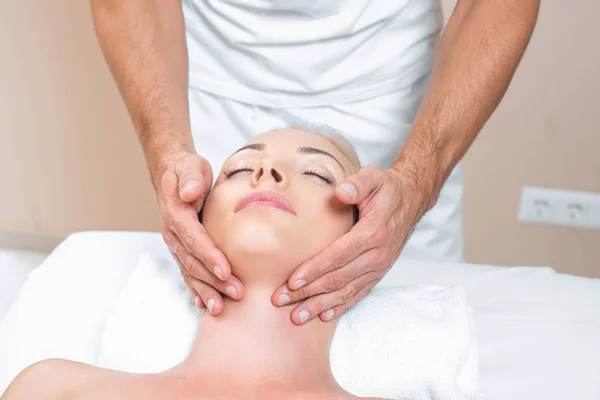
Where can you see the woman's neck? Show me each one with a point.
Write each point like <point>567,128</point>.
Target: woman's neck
<point>255,343</point>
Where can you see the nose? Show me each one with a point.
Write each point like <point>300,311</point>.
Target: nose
<point>268,171</point>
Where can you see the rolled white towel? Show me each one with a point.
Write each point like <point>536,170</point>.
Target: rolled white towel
<point>411,342</point>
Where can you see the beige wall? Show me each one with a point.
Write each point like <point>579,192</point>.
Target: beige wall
<point>545,132</point>
<point>70,161</point>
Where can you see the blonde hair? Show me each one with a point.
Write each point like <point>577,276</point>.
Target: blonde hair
<point>335,137</point>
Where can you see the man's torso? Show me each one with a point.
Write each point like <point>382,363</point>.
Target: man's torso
<point>292,53</point>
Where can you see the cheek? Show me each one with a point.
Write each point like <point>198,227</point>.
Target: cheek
<point>327,216</point>
<point>216,208</point>
<point>342,213</point>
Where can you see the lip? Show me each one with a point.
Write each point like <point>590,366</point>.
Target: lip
<point>266,198</point>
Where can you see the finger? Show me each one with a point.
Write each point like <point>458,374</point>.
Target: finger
<point>211,298</point>
<point>335,312</point>
<point>199,303</point>
<point>169,186</point>
<point>232,287</point>
<point>186,276</point>
<point>322,303</point>
<point>182,221</point>
<point>359,186</point>
<point>194,178</point>
<point>188,263</point>
<point>330,282</point>
<point>197,242</point>
<point>187,279</point>
<point>338,254</point>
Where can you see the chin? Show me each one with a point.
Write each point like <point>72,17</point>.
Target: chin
<point>261,252</point>
<point>258,235</point>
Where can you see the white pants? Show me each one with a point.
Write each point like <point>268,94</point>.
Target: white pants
<point>376,127</point>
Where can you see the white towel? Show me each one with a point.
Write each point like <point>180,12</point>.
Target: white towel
<point>412,342</point>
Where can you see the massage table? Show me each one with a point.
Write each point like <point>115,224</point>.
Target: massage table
<point>538,331</point>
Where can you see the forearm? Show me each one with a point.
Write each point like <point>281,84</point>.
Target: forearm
<point>144,44</point>
<point>478,55</point>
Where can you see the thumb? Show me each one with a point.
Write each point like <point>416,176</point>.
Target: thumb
<point>356,188</point>
<point>194,177</point>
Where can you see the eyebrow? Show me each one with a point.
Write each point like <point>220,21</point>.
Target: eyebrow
<point>301,150</point>
<point>312,150</point>
<point>252,146</point>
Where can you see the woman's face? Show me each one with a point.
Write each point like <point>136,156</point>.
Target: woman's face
<point>275,198</point>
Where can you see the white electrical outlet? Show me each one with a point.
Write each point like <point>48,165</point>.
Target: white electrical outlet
<point>560,207</point>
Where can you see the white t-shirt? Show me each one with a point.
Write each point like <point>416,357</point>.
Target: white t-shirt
<point>360,66</point>
<point>309,53</point>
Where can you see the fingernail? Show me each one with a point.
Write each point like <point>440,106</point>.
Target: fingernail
<point>231,291</point>
<point>283,299</point>
<point>299,283</point>
<point>349,189</point>
<point>217,272</point>
<point>188,185</point>
<point>210,304</point>
<point>329,314</point>
<point>303,315</point>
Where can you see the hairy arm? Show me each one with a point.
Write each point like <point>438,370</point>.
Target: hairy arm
<point>144,44</point>
<point>145,47</point>
<point>479,53</point>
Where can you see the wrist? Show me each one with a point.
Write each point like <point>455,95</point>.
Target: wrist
<point>419,174</point>
<point>160,156</point>
<point>163,160</point>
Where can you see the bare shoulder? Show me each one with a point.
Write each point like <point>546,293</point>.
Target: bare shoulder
<point>47,379</point>
<point>349,396</point>
<point>371,398</point>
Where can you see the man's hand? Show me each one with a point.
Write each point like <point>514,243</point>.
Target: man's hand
<point>144,45</point>
<point>338,277</point>
<point>182,190</point>
<point>481,47</point>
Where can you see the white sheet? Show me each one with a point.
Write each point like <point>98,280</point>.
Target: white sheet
<point>538,331</point>
<point>15,265</point>
<point>425,336</point>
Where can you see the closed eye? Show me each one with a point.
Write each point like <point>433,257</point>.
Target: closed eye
<point>324,178</point>
<point>234,171</point>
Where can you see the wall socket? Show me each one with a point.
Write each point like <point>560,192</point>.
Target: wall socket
<point>560,207</point>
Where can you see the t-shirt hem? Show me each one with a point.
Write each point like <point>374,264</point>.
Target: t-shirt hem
<point>286,100</point>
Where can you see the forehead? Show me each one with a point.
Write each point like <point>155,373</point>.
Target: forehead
<point>291,139</point>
